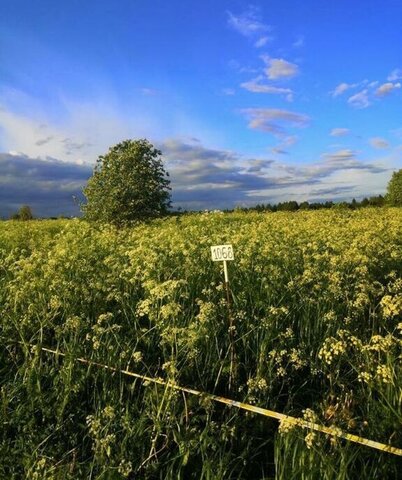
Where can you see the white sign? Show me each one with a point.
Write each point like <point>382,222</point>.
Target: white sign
<point>222,253</point>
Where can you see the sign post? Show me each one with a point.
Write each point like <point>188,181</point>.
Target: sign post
<point>225,271</point>
<point>224,253</point>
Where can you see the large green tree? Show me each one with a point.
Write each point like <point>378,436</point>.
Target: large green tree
<point>394,190</point>
<point>128,183</point>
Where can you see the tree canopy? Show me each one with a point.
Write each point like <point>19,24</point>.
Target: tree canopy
<point>128,183</point>
<point>24,213</point>
<point>394,190</point>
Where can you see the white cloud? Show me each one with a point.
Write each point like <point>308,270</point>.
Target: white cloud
<point>256,86</point>
<point>378,142</point>
<point>299,42</point>
<point>291,140</point>
<point>343,155</point>
<point>387,88</point>
<point>248,23</point>
<point>395,75</point>
<point>364,98</point>
<point>279,68</point>
<point>339,132</point>
<point>274,121</point>
<point>261,42</point>
<point>81,132</point>
<point>285,143</point>
<point>359,100</point>
<point>342,88</point>
<point>278,151</point>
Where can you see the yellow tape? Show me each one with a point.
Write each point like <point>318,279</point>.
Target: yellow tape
<point>333,431</point>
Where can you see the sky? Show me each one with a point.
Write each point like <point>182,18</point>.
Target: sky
<point>249,102</point>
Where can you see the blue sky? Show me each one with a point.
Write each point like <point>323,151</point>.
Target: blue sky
<point>249,102</point>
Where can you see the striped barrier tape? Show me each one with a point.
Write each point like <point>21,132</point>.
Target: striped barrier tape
<point>332,431</point>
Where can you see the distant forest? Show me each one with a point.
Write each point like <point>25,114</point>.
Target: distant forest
<point>25,212</point>
<point>292,206</point>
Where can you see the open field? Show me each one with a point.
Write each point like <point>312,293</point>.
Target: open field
<point>317,309</point>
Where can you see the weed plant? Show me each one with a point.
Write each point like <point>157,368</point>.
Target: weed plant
<point>317,308</point>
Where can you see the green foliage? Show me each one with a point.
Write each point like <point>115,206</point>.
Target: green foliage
<point>24,214</point>
<point>290,206</point>
<point>394,190</point>
<point>129,183</point>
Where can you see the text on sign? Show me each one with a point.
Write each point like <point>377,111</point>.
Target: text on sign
<point>222,252</point>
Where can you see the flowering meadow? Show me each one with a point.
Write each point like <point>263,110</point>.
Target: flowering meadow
<point>316,307</point>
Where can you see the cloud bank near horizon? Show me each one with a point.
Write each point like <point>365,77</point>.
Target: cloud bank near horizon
<point>202,178</point>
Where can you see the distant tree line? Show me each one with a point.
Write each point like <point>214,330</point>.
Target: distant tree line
<point>292,206</point>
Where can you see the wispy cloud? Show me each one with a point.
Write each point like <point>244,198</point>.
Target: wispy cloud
<point>299,42</point>
<point>387,88</point>
<point>319,193</point>
<point>279,151</point>
<point>177,150</point>
<point>44,141</point>
<point>371,91</point>
<point>274,121</point>
<point>259,165</point>
<point>378,142</point>
<point>278,68</point>
<point>359,100</point>
<point>282,147</point>
<point>72,147</point>
<point>345,155</point>
<point>256,85</point>
<point>339,132</point>
<point>37,138</point>
<point>342,88</point>
<point>81,133</point>
<point>335,162</point>
<point>262,41</point>
<point>395,75</point>
<point>248,23</point>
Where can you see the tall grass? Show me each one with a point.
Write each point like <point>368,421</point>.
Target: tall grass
<point>317,307</point>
